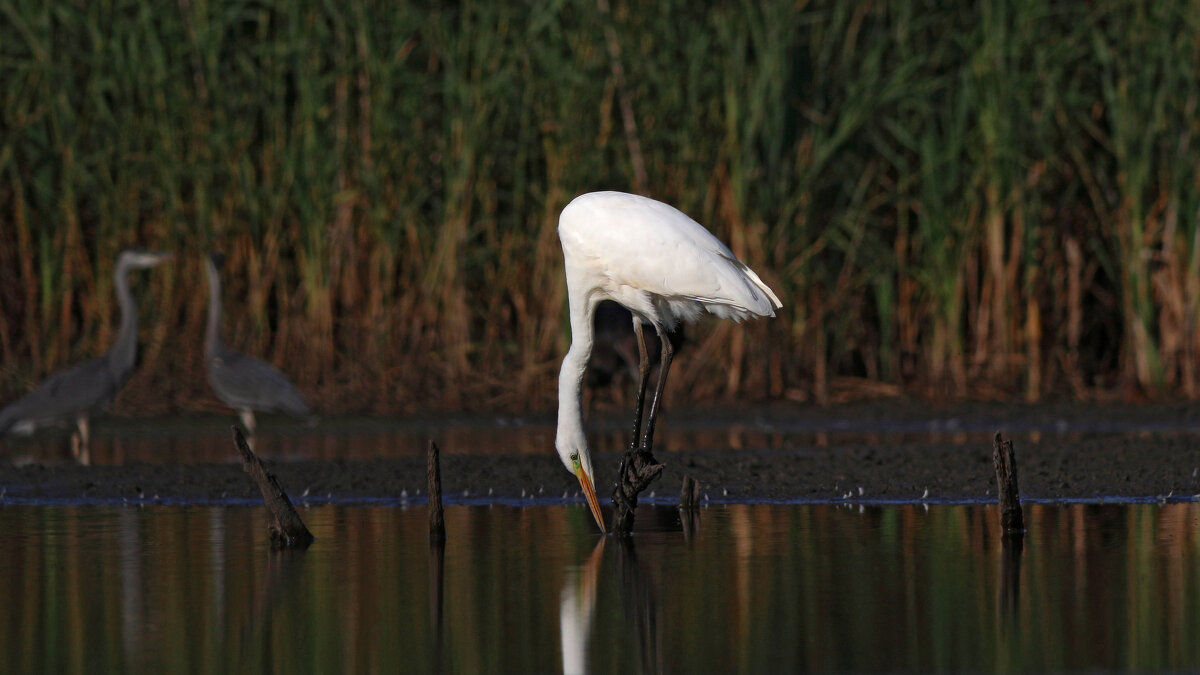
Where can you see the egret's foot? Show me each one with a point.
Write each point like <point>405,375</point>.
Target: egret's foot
<point>637,471</point>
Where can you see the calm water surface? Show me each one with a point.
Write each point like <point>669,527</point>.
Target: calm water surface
<point>739,588</point>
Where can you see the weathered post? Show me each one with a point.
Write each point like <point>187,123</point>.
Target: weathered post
<point>1012,526</point>
<point>287,529</point>
<point>1011,519</point>
<point>689,494</point>
<point>433,471</point>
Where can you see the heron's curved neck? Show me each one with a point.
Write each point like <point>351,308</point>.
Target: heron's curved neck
<point>123,353</point>
<point>212,333</point>
<point>570,377</point>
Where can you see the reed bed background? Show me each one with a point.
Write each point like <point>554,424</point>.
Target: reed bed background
<point>997,199</point>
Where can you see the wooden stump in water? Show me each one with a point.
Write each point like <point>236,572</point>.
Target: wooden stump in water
<point>1011,519</point>
<point>287,529</point>
<point>638,469</point>
<point>689,494</point>
<point>433,471</point>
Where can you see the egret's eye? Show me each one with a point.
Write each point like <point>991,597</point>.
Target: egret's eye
<point>575,458</point>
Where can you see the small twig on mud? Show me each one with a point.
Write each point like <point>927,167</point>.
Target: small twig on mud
<point>287,529</point>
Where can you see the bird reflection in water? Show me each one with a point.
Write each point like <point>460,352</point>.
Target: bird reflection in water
<point>641,606</point>
<point>577,609</point>
<point>639,601</point>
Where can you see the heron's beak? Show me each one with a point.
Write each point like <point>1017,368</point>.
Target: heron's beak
<point>589,491</point>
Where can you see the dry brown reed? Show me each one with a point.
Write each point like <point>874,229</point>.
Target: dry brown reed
<point>995,200</point>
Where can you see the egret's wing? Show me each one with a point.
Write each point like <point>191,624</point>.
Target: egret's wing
<point>651,246</point>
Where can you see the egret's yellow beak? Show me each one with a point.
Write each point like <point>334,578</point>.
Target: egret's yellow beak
<point>589,491</point>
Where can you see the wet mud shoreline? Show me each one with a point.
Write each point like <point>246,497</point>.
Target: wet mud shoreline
<point>1106,467</point>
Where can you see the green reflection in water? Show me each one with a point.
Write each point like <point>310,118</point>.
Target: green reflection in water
<point>742,588</point>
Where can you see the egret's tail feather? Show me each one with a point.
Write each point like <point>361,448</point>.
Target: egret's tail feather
<point>774,299</point>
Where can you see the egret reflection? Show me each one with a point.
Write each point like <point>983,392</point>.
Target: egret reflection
<point>638,628</point>
<point>577,608</point>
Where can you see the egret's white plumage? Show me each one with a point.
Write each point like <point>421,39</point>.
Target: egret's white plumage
<point>656,261</point>
<point>661,265</point>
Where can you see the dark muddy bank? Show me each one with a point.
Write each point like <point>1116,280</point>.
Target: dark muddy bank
<point>1126,467</point>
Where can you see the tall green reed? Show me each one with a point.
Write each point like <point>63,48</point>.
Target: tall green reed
<point>986,201</point>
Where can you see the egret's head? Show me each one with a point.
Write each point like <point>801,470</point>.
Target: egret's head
<point>575,457</point>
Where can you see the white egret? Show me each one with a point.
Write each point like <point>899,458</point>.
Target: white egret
<point>665,268</point>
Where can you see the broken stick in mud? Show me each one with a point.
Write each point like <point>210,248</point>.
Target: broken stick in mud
<point>287,529</point>
<point>1011,519</point>
<point>433,472</point>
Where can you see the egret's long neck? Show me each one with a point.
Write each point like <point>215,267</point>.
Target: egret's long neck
<point>122,356</point>
<point>212,333</point>
<point>570,377</point>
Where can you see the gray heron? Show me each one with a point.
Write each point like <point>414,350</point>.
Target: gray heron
<point>243,382</point>
<point>87,389</point>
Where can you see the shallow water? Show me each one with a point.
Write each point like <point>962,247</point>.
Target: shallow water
<point>739,588</point>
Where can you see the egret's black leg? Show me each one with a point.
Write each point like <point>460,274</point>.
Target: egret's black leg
<point>668,352</point>
<point>643,381</point>
<point>638,467</point>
